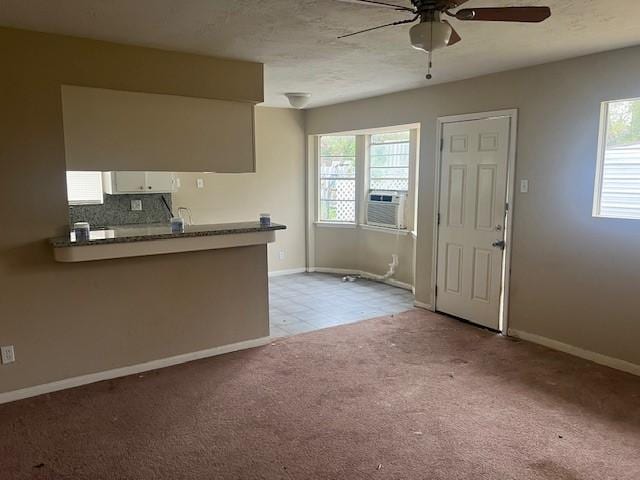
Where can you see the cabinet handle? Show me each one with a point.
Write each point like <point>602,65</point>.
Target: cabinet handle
<point>150,187</point>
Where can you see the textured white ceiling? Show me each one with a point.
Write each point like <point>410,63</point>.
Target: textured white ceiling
<point>296,39</point>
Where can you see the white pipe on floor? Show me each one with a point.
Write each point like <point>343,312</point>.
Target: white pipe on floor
<point>378,278</point>
<point>392,268</point>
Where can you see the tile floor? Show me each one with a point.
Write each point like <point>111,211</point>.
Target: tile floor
<point>311,301</point>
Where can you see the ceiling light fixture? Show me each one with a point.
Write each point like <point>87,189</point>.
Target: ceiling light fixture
<point>298,99</point>
<point>430,36</point>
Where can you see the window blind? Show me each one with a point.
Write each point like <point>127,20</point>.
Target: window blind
<point>84,188</point>
<point>621,182</point>
<point>618,190</point>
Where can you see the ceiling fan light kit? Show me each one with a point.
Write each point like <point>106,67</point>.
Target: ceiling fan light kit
<point>430,36</point>
<point>432,33</point>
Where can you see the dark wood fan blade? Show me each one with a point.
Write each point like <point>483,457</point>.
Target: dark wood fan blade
<point>375,3</point>
<point>380,26</point>
<point>455,38</point>
<point>505,14</point>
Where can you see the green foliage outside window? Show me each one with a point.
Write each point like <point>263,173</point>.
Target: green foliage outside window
<point>623,127</point>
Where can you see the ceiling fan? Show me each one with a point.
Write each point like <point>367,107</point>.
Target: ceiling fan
<point>433,32</point>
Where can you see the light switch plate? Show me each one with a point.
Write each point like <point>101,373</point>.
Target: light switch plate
<point>281,254</point>
<point>136,205</point>
<point>524,185</point>
<point>200,183</point>
<point>8,354</point>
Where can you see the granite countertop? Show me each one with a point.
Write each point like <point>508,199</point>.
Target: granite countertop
<point>141,233</point>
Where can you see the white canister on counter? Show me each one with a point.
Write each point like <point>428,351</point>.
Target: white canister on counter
<point>82,231</point>
<point>265,219</point>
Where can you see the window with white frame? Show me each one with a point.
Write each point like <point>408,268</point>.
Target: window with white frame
<point>389,161</point>
<point>337,169</point>
<point>84,188</point>
<point>617,192</point>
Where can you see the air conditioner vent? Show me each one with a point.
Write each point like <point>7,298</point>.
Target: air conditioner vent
<point>386,209</point>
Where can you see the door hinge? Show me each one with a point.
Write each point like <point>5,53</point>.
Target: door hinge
<point>436,291</point>
<point>441,144</point>
<point>438,218</point>
<point>506,207</point>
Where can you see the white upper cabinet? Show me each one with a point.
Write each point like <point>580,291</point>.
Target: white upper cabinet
<point>112,130</point>
<point>125,182</point>
<point>115,183</point>
<point>160,181</point>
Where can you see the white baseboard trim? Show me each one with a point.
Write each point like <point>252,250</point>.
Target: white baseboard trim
<point>368,275</point>
<point>129,370</point>
<point>426,306</point>
<point>578,352</point>
<point>292,271</point>
<point>337,271</point>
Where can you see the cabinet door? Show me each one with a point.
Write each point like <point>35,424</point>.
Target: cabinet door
<point>129,182</point>
<point>159,182</point>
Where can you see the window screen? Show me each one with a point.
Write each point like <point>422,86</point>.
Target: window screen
<point>337,178</point>
<point>389,161</point>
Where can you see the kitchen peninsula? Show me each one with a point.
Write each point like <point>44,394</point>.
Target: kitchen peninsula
<point>142,240</point>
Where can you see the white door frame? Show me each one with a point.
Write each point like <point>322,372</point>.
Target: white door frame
<point>512,114</point>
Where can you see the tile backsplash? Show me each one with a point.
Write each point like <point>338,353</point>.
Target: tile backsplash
<point>116,210</point>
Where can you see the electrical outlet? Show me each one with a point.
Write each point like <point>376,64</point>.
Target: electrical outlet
<point>281,254</point>
<point>136,205</point>
<point>200,183</point>
<point>8,354</point>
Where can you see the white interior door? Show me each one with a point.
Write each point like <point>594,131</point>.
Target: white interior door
<point>472,212</point>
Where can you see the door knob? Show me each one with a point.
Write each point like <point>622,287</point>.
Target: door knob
<point>499,244</point>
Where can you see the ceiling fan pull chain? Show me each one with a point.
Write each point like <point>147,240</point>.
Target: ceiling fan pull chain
<point>430,52</point>
<point>429,65</point>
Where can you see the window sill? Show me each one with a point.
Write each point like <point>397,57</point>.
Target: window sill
<point>371,228</point>
<point>392,231</point>
<point>335,224</point>
<point>611,217</point>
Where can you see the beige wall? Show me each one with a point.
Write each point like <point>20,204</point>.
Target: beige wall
<point>277,187</point>
<point>375,250</point>
<point>72,319</point>
<point>116,130</point>
<point>364,250</point>
<point>574,277</point>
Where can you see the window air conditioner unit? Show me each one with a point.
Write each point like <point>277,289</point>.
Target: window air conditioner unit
<point>386,209</point>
